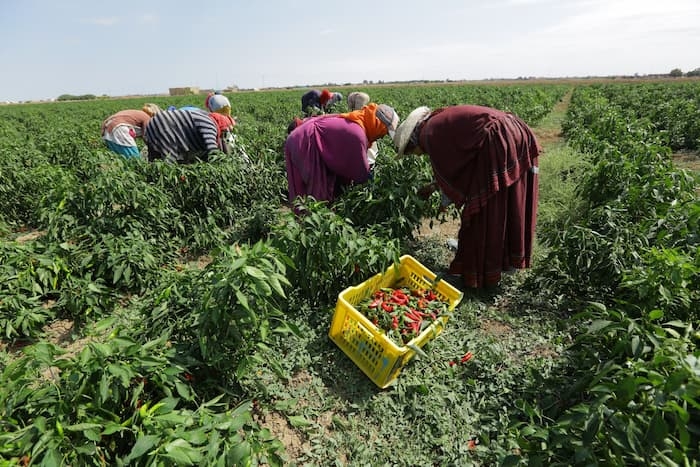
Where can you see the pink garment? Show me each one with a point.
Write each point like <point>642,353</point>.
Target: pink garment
<point>323,155</point>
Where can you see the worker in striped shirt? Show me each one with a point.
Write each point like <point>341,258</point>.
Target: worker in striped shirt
<point>183,136</point>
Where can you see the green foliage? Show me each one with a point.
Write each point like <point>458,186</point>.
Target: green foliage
<point>633,399</point>
<point>222,189</point>
<point>328,252</point>
<point>114,201</point>
<point>389,202</point>
<point>127,262</point>
<point>619,224</point>
<point>224,314</point>
<point>634,198</point>
<point>243,306</point>
<point>631,386</point>
<point>120,402</point>
<point>71,97</point>
<point>665,279</point>
<point>30,277</point>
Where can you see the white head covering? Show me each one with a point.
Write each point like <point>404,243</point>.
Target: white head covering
<point>403,132</point>
<point>217,103</point>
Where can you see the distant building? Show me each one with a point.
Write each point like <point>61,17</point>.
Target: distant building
<point>186,91</point>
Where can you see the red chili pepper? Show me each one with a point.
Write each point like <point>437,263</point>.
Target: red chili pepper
<point>430,295</point>
<point>399,297</point>
<point>387,307</point>
<point>394,322</point>
<point>375,303</point>
<point>467,356</point>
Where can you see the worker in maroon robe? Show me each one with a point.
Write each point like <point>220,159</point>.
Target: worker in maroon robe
<point>485,161</point>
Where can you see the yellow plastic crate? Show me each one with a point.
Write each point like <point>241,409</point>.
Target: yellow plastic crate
<point>366,345</point>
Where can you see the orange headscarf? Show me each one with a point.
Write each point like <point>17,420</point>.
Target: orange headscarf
<point>367,118</point>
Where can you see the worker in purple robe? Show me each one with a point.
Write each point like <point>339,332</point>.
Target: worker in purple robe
<point>328,152</point>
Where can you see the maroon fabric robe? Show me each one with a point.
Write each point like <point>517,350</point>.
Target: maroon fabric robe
<point>485,161</point>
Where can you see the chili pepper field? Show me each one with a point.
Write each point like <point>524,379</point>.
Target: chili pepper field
<point>159,314</point>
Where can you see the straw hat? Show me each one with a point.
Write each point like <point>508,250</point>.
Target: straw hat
<point>403,132</point>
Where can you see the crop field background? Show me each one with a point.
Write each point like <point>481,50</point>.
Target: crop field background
<point>156,314</point>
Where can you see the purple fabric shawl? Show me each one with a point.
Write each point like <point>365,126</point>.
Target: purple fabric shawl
<point>324,154</point>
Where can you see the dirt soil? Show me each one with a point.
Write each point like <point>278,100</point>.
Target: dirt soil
<point>687,160</point>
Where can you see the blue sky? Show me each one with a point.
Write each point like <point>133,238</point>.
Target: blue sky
<point>77,47</point>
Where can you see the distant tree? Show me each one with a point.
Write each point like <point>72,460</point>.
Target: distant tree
<point>695,72</point>
<point>676,73</point>
<point>70,97</point>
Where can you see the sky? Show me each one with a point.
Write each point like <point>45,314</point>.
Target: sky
<point>49,48</point>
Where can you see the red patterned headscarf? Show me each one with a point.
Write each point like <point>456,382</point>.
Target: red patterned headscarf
<point>325,96</point>
<point>223,122</point>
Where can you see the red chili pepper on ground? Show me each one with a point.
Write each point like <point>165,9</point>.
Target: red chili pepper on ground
<point>467,356</point>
